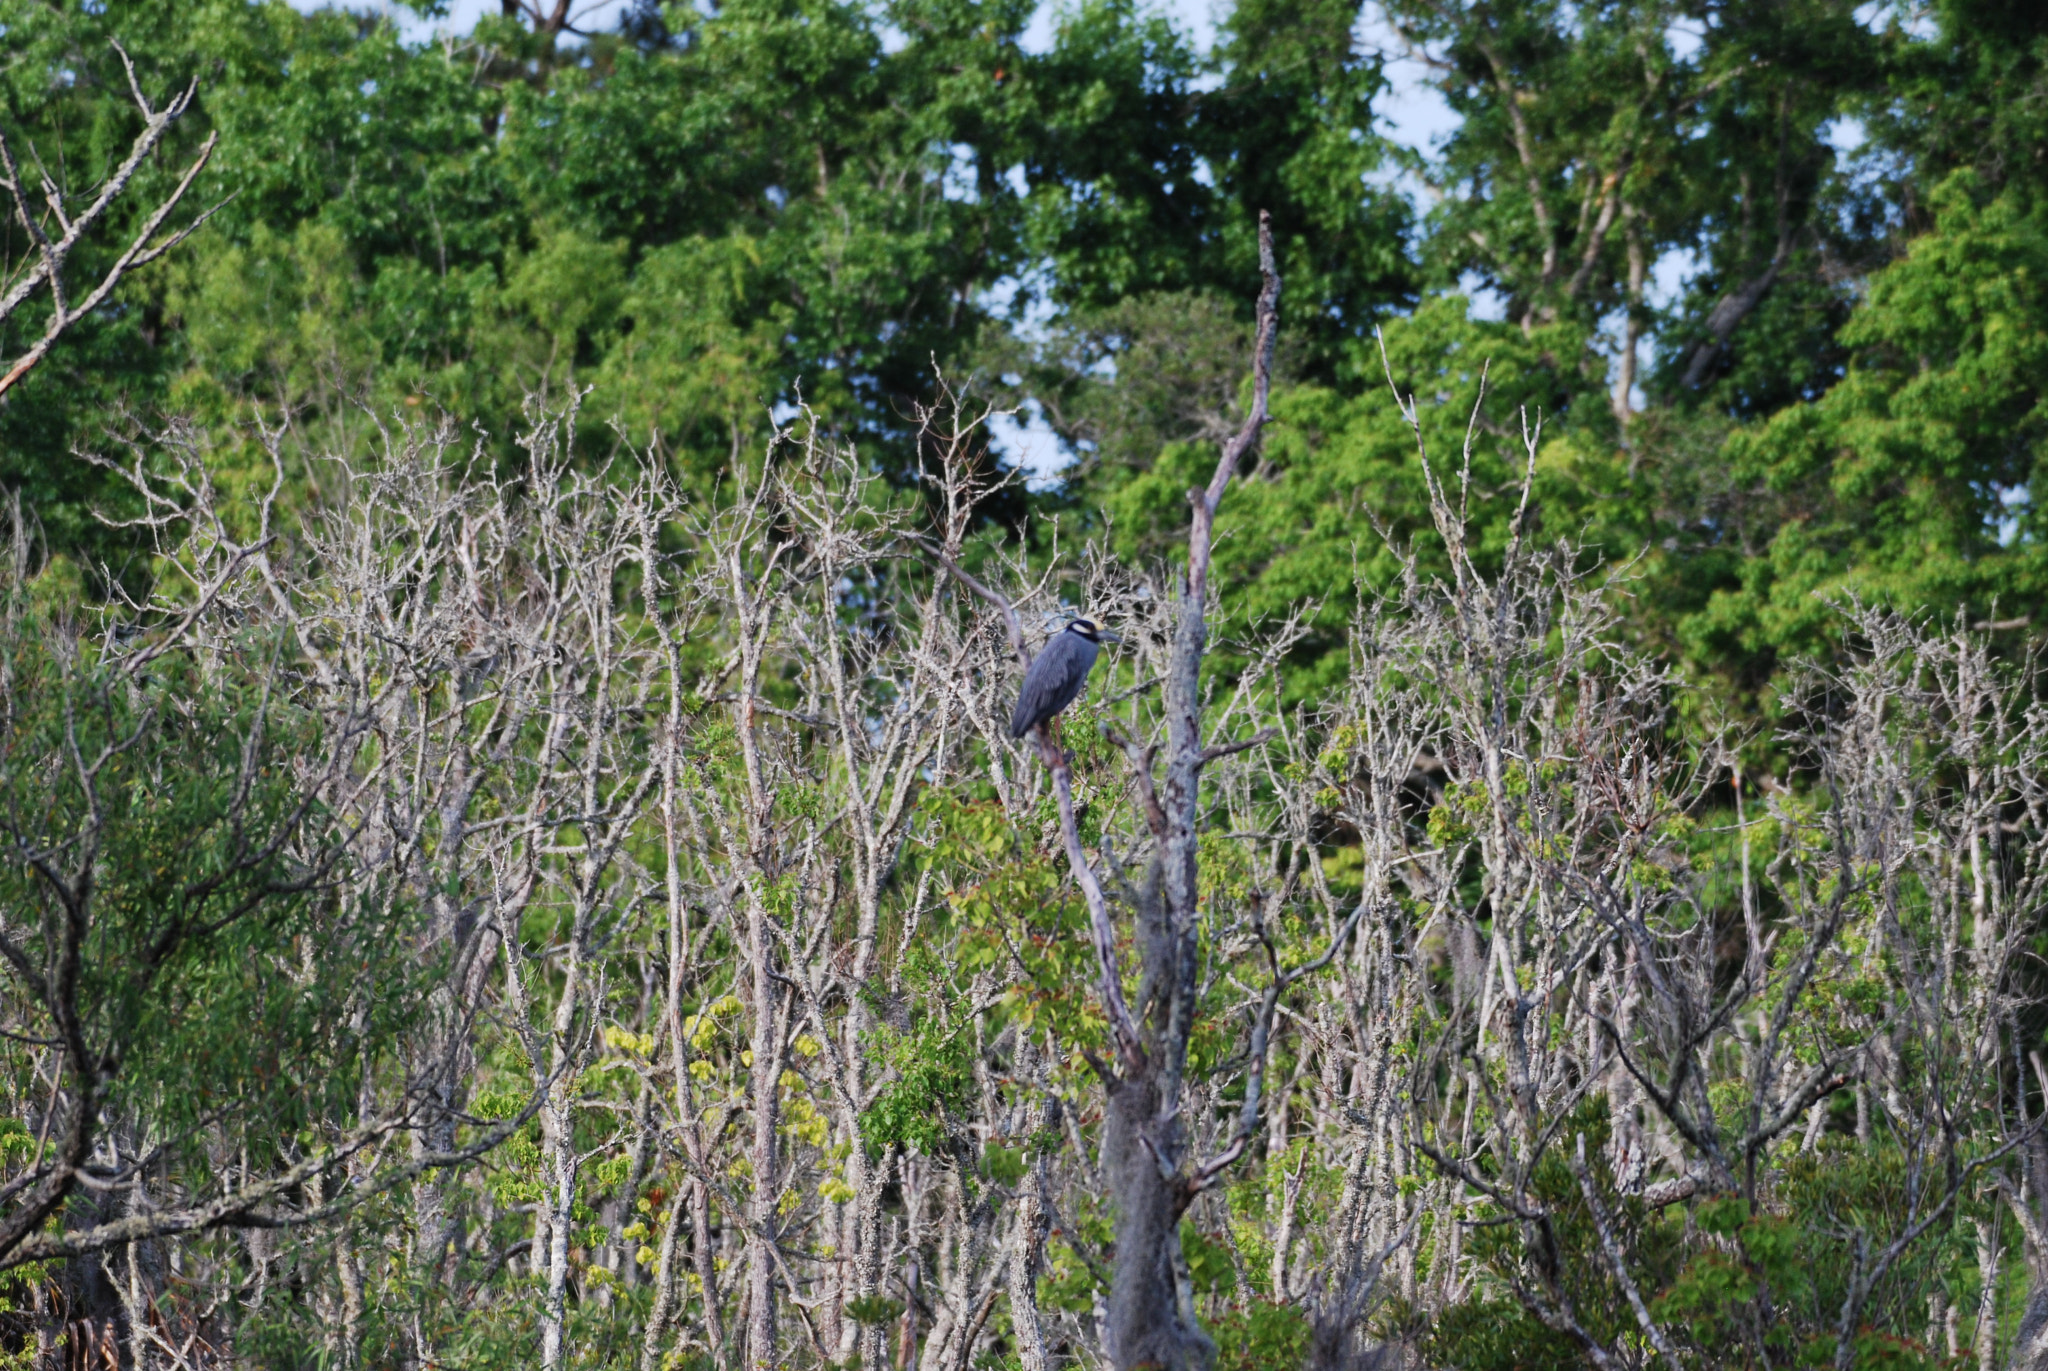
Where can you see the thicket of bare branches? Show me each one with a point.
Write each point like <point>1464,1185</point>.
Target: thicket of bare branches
<point>674,962</point>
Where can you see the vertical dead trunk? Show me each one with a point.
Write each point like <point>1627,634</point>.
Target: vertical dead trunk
<point>665,1303</point>
<point>763,1089</point>
<point>558,1152</point>
<point>1151,1315</point>
<point>1022,1276</point>
<point>353,1306</point>
<point>1149,1323</point>
<point>1150,1320</point>
<point>764,990</point>
<point>661,1312</point>
<point>707,1269</point>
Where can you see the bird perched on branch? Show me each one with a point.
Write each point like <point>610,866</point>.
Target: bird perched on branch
<point>1057,674</point>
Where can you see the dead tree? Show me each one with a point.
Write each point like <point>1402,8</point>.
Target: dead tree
<point>1149,1144</point>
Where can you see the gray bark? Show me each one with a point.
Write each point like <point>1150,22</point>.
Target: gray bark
<point>1150,1316</point>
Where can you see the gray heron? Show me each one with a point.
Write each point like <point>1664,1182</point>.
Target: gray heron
<point>1057,674</point>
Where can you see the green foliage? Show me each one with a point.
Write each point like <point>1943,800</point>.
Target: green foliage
<point>1495,1333</point>
<point>1071,1283</point>
<point>1339,497</point>
<point>1733,1285</point>
<point>221,985</point>
<point>1261,1335</point>
<point>874,1309</point>
<point>1908,482</point>
<point>17,1306</point>
<point>704,213</point>
<point>928,1092</point>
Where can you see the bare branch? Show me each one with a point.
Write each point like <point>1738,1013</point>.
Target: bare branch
<point>53,256</point>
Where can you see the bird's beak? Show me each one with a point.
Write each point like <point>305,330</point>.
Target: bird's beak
<point>1109,635</point>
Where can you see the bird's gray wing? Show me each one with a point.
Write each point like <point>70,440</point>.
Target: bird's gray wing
<point>1055,677</point>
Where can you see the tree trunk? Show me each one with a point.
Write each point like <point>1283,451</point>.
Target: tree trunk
<point>764,1087</point>
<point>1023,1278</point>
<point>1151,1307</point>
<point>556,1220</point>
<point>707,1269</point>
<point>1150,1322</point>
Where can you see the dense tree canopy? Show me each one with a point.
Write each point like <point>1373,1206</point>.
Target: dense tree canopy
<point>510,847</point>
<point>709,212</point>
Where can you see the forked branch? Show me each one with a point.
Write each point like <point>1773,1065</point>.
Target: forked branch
<point>52,255</point>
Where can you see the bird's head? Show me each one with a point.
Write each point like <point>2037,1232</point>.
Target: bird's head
<point>1092,630</point>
